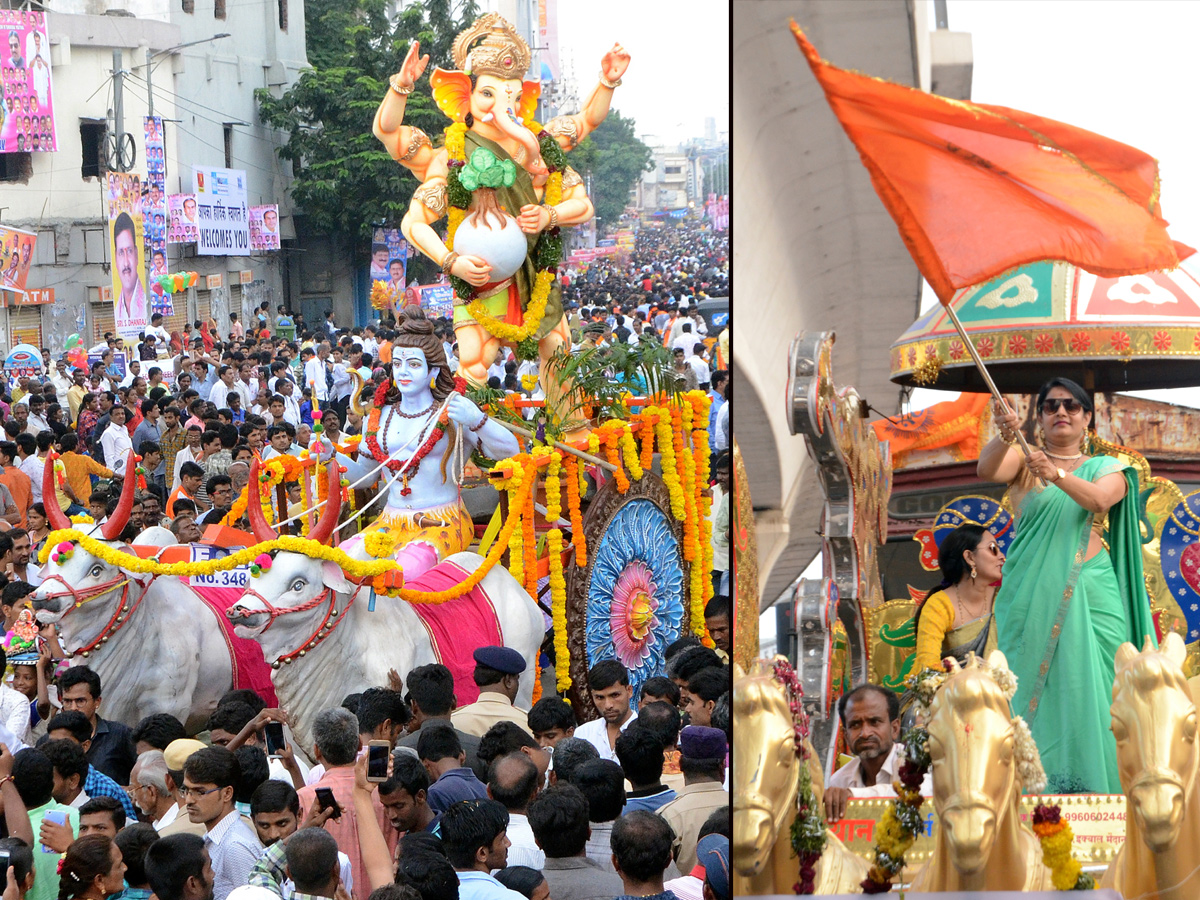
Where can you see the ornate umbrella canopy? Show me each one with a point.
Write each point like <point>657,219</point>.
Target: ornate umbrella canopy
<point>1054,319</point>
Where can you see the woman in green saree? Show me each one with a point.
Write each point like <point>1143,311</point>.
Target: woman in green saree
<point>1067,601</point>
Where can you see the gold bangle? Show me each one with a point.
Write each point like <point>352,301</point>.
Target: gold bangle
<point>419,140</point>
<point>553,216</point>
<point>448,262</point>
<point>402,91</point>
<point>611,85</point>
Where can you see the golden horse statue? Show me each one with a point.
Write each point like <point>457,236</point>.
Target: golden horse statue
<point>764,804</point>
<point>1154,722</point>
<point>980,843</point>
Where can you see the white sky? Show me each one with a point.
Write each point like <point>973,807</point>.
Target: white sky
<point>679,73</point>
<point>1125,69</point>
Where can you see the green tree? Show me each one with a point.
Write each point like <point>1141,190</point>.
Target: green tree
<point>345,180</point>
<point>615,159</point>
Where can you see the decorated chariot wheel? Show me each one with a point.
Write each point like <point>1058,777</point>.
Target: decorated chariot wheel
<point>630,601</point>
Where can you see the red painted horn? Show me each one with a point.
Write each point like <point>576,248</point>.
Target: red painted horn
<point>323,530</point>
<point>111,530</point>
<point>54,514</point>
<point>254,511</point>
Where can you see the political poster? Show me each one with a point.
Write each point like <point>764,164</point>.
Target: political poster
<point>264,227</point>
<point>389,258</point>
<point>126,247</point>
<point>16,255</point>
<point>221,210</point>
<point>185,223</point>
<point>154,212</point>
<point>27,109</point>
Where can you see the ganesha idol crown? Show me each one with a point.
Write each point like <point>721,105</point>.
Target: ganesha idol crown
<point>491,46</point>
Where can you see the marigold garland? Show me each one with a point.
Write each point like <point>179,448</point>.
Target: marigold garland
<point>1056,838</point>
<point>573,500</point>
<point>670,474</point>
<point>382,572</point>
<point>629,453</point>
<point>529,533</point>
<point>901,821</point>
<point>554,488</point>
<point>558,610</point>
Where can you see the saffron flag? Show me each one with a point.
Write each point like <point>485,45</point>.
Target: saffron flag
<point>952,424</point>
<point>977,190</point>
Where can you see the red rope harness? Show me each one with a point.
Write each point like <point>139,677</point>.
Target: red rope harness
<point>319,633</point>
<point>116,622</point>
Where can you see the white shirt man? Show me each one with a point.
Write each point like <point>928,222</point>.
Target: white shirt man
<point>595,733</point>
<point>850,776</point>
<point>34,466</point>
<point>161,336</point>
<point>219,396</point>
<point>314,376</point>
<point>700,367</point>
<point>116,443</point>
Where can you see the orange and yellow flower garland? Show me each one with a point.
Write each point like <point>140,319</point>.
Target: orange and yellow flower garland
<point>1056,838</point>
<point>577,537</point>
<point>558,610</point>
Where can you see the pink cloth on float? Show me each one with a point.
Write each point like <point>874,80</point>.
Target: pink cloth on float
<point>250,669</point>
<point>457,627</point>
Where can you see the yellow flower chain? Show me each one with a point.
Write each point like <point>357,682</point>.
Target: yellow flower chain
<point>456,140</point>
<point>629,451</point>
<point>554,488</point>
<point>670,474</point>
<point>558,610</point>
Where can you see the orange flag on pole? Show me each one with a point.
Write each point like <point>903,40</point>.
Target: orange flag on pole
<point>977,190</point>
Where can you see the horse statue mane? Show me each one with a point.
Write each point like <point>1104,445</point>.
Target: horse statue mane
<point>973,742</point>
<point>766,771</point>
<point>1154,723</point>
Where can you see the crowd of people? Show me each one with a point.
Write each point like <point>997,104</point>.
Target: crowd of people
<point>486,800</point>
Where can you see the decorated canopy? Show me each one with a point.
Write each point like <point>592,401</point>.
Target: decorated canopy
<point>1054,319</point>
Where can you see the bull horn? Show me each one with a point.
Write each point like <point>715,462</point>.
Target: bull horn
<point>54,514</point>
<point>323,530</point>
<point>356,405</point>
<point>258,522</point>
<point>111,530</point>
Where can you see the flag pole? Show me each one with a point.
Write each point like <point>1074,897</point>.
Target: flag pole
<point>962,332</point>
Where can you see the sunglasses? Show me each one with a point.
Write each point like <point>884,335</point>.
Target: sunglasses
<point>1071,405</point>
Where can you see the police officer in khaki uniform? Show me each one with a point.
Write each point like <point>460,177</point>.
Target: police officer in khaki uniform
<point>497,674</point>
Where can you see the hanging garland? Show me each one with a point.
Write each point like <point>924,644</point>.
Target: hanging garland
<point>558,610</point>
<point>547,252</point>
<point>1056,838</point>
<point>808,830</point>
<point>573,505</point>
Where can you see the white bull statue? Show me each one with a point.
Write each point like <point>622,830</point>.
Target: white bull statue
<point>323,642</point>
<point>156,645</point>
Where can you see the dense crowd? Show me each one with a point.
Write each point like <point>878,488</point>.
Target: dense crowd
<point>486,800</point>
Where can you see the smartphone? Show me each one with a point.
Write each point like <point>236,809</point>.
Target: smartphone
<point>58,817</point>
<point>327,800</point>
<point>275,741</point>
<point>377,760</point>
<point>4,864</point>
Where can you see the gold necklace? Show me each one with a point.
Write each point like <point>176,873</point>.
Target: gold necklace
<point>1057,456</point>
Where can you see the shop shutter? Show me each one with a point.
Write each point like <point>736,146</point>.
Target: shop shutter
<point>25,325</point>
<point>103,320</point>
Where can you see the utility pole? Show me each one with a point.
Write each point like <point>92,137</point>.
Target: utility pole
<point>149,86</point>
<point>118,107</point>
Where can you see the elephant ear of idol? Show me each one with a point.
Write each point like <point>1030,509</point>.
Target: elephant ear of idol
<point>452,94</point>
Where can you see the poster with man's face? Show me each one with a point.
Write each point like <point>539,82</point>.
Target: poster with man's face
<point>27,119</point>
<point>125,242</point>
<point>264,227</point>
<point>184,226</point>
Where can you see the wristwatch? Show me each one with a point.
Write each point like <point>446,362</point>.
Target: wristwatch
<point>1061,475</point>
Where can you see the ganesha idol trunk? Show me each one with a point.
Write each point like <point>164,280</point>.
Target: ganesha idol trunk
<point>489,232</point>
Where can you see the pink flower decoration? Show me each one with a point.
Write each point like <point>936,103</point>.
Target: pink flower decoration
<point>64,547</point>
<point>631,615</point>
<point>263,561</point>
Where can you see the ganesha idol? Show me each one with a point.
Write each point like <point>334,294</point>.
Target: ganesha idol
<point>503,181</point>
